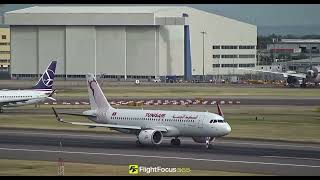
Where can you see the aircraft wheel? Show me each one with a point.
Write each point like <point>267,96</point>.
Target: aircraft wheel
<point>138,142</point>
<point>176,142</point>
<point>209,146</point>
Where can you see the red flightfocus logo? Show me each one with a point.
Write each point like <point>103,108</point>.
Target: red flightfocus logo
<point>114,113</point>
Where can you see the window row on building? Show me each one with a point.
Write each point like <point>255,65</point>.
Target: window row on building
<point>232,65</point>
<point>218,56</point>
<point>4,52</point>
<point>233,47</point>
<point>4,43</point>
<point>4,60</point>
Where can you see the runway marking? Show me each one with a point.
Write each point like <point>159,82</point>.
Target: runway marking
<point>160,157</point>
<point>166,138</point>
<point>269,144</point>
<point>288,157</point>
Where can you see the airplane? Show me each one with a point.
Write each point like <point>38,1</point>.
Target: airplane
<point>312,75</point>
<point>150,126</point>
<point>38,93</point>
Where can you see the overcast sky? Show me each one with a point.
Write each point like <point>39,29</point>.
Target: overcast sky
<point>258,14</point>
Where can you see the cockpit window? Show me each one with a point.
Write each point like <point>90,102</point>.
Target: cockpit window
<point>220,121</point>
<point>213,121</point>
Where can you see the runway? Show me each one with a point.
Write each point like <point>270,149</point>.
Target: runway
<point>193,101</point>
<point>261,157</point>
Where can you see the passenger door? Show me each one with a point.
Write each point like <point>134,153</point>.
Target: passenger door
<point>200,121</point>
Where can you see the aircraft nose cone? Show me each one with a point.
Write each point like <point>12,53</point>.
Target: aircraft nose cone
<point>227,129</point>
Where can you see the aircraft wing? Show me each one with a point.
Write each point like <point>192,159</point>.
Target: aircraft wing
<point>159,128</point>
<point>273,72</point>
<point>77,114</point>
<point>13,101</point>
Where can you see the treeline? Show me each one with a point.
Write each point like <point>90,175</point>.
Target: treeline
<point>264,40</point>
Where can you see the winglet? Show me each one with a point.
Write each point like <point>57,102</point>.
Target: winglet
<point>50,95</point>
<point>57,115</point>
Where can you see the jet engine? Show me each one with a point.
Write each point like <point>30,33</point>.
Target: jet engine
<point>150,137</point>
<point>201,139</point>
<point>312,72</point>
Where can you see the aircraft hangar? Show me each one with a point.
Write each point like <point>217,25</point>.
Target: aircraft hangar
<point>128,42</point>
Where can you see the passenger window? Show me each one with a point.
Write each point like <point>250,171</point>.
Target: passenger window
<point>211,121</point>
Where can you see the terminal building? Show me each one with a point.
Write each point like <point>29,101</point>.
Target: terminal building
<point>295,46</point>
<point>129,42</point>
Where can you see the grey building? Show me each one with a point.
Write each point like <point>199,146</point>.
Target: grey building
<point>128,41</point>
<point>295,46</point>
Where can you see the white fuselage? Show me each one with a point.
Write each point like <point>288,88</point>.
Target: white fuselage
<point>12,98</point>
<point>178,123</point>
<point>316,80</point>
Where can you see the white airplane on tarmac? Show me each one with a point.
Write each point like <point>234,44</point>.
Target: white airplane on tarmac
<point>39,93</point>
<point>150,126</point>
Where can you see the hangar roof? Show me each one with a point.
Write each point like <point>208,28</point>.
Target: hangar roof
<point>95,9</point>
<point>94,15</point>
<point>104,15</point>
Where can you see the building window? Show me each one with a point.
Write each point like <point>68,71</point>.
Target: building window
<point>247,47</point>
<point>215,47</point>
<point>215,65</point>
<point>229,56</point>
<point>229,65</point>
<point>4,37</point>
<point>246,65</point>
<point>4,52</point>
<point>4,44</point>
<point>247,56</point>
<point>229,47</point>
<point>216,56</point>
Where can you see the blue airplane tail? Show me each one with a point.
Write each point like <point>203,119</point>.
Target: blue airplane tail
<point>46,80</point>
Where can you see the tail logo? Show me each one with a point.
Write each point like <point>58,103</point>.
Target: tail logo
<point>90,85</point>
<point>47,78</point>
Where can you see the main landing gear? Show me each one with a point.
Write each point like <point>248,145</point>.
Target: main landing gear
<point>208,142</point>
<point>1,110</point>
<point>176,141</point>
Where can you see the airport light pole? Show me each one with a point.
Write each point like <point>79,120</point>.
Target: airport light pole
<point>95,53</point>
<point>203,33</point>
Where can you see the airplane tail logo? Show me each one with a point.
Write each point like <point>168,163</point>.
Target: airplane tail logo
<point>46,80</point>
<point>96,96</point>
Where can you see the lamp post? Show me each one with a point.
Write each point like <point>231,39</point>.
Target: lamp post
<point>203,33</point>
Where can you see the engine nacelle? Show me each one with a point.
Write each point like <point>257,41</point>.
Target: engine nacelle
<point>150,137</point>
<point>201,139</point>
<point>312,73</point>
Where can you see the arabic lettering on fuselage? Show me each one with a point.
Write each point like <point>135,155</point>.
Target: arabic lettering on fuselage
<point>185,117</point>
<point>160,115</point>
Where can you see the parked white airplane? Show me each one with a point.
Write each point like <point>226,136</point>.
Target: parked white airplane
<point>39,93</point>
<point>312,75</point>
<point>151,126</point>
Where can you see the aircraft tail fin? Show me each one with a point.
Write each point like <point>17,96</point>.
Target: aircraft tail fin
<point>46,80</point>
<point>96,96</point>
<point>219,109</point>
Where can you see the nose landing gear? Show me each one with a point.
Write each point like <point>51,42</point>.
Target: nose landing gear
<point>208,142</point>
